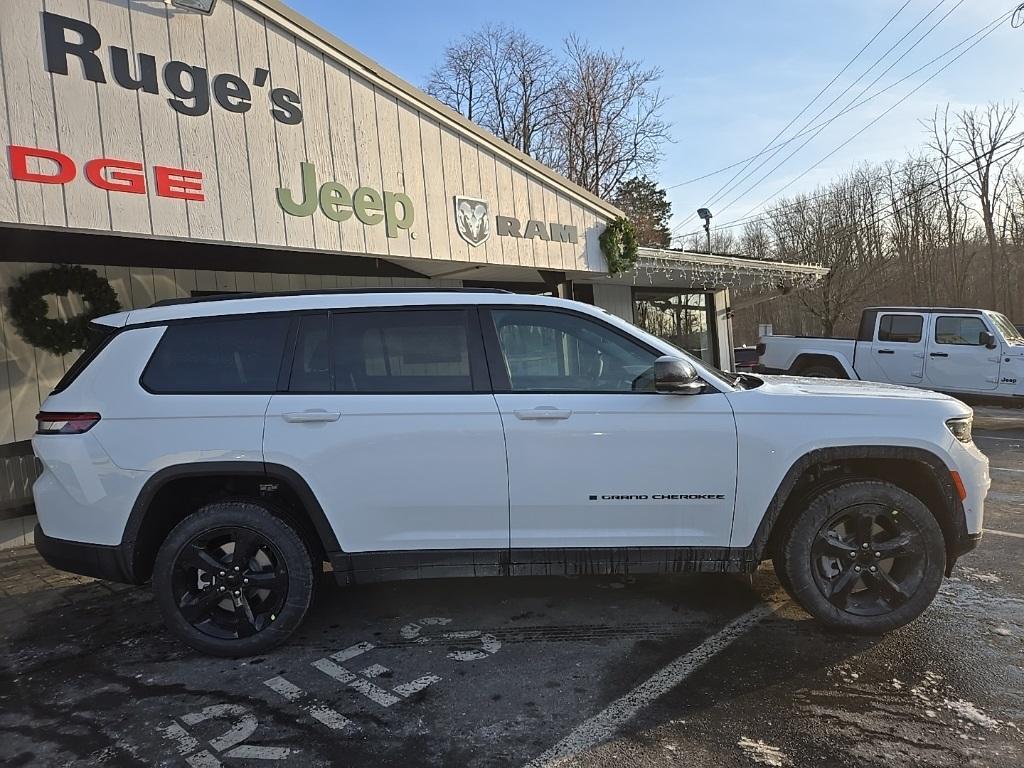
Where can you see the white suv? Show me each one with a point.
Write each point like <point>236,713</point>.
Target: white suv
<point>226,448</point>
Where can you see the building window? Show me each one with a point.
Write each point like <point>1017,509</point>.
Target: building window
<point>684,319</point>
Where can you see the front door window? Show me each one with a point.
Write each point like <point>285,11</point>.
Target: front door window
<point>685,320</point>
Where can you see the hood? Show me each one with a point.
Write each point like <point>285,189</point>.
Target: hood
<point>806,385</point>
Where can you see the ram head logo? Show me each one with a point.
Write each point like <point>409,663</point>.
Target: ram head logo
<point>472,220</point>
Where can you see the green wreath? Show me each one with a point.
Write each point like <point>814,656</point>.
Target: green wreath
<point>619,245</point>
<point>27,299</point>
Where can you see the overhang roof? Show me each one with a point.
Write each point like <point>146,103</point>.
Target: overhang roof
<point>330,44</point>
<point>662,267</point>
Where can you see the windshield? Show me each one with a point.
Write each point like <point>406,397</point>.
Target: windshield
<point>1007,329</point>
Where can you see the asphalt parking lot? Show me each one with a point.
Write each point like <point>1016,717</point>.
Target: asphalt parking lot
<point>687,670</point>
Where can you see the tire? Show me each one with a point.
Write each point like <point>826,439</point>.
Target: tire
<point>880,587</point>
<point>822,371</point>
<point>261,602</point>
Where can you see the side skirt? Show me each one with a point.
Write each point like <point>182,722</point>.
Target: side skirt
<point>368,567</point>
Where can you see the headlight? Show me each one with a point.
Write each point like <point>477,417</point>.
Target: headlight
<point>961,428</point>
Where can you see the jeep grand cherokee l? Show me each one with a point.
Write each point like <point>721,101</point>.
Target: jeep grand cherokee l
<point>225,449</point>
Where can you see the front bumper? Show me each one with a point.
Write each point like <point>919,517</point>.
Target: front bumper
<point>100,561</point>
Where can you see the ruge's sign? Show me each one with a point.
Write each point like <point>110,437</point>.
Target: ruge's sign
<point>190,86</point>
<point>200,131</point>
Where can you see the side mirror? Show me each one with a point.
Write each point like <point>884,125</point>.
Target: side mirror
<point>674,375</point>
<point>987,339</point>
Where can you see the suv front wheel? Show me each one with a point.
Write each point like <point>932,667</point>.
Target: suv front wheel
<point>232,579</point>
<point>865,556</point>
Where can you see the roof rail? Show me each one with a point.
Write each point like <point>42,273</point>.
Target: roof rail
<point>338,291</point>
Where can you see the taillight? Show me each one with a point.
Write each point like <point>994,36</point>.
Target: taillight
<point>52,423</point>
<point>760,349</point>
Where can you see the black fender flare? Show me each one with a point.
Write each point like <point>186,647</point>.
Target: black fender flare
<point>277,472</point>
<point>954,527</point>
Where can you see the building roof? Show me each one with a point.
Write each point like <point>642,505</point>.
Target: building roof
<point>736,261</point>
<point>329,43</point>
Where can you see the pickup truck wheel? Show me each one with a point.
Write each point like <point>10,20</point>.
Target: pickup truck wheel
<point>232,579</point>
<point>822,371</point>
<point>864,557</point>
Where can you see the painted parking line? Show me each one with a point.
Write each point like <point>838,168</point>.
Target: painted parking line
<point>603,725</point>
<point>992,437</point>
<point>291,692</point>
<point>1005,533</point>
<point>1004,469</point>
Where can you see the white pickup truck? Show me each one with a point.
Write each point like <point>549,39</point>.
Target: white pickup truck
<point>965,352</point>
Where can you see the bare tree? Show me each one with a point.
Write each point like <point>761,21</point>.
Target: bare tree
<point>608,125</point>
<point>984,134</point>
<point>951,187</point>
<point>502,80</point>
<point>458,80</point>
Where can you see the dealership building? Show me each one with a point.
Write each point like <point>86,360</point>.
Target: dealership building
<point>177,153</point>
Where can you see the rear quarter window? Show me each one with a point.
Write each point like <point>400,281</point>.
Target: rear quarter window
<point>240,355</point>
<point>97,337</point>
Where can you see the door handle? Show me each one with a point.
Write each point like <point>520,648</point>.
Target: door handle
<point>938,354</point>
<point>309,417</point>
<point>887,351</point>
<point>537,414</point>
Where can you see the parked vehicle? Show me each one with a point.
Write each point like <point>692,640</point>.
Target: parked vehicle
<point>745,359</point>
<point>965,352</point>
<point>226,448</point>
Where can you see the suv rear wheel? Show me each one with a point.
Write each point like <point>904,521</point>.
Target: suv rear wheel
<point>864,556</point>
<point>232,579</point>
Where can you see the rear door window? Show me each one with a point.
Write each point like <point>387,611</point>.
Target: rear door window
<point>415,351</point>
<point>311,364</point>
<point>219,356</point>
<point>900,329</point>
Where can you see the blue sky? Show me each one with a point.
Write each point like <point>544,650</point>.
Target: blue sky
<point>735,71</point>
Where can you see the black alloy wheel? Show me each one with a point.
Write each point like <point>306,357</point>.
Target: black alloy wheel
<point>233,578</point>
<point>230,583</point>
<point>868,559</point>
<point>862,556</point>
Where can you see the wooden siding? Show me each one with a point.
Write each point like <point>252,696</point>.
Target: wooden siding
<point>357,129</point>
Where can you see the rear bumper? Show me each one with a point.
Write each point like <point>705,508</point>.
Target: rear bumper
<point>100,561</point>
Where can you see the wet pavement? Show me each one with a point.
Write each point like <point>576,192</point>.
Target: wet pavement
<point>686,670</point>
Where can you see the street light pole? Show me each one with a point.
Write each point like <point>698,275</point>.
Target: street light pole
<point>705,214</point>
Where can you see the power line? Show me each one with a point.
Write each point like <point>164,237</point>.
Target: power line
<point>847,109</point>
<point>875,120</point>
<point>988,29</point>
<point>732,183</point>
<point>788,157</point>
<point>876,218</point>
<point>765,217</point>
<point>817,96</point>
<point>911,197</point>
